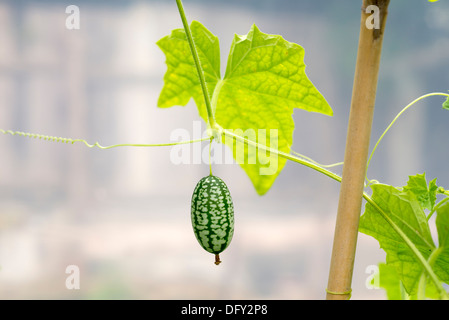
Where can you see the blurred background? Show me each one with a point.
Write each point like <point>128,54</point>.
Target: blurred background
<point>123,215</point>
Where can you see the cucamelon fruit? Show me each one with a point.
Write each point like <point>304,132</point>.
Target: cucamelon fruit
<point>212,214</point>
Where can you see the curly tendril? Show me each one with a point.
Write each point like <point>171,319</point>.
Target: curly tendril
<point>96,144</point>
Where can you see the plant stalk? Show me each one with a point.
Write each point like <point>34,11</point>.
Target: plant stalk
<point>197,61</point>
<point>356,152</point>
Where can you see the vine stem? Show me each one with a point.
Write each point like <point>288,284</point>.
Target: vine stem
<point>313,161</point>
<point>423,279</point>
<point>446,193</point>
<point>196,59</point>
<point>311,164</point>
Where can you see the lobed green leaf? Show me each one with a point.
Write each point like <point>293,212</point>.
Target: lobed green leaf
<point>405,211</point>
<point>181,81</point>
<point>405,207</point>
<point>264,81</point>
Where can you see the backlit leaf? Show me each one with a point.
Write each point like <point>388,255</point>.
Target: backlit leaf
<point>426,194</point>
<point>405,211</point>
<point>264,82</point>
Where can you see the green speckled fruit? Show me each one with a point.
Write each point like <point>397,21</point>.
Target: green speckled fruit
<point>212,215</point>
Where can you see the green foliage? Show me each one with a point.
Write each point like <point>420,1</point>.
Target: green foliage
<point>405,208</point>
<point>389,280</point>
<point>181,81</point>
<point>264,81</point>
<point>425,194</point>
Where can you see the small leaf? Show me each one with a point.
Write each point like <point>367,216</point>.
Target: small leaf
<point>426,194</point>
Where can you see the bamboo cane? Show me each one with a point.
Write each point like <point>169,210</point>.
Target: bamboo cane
<point>356,153</point>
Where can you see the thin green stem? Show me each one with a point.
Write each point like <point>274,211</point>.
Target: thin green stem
<point>421,295</point>
<point>445,192</point>
<point>197,61</point>
<point>210,160</point>
<point>403,292</point>
<point>423,279</point>
<point>396,118</point>
<point>287,156</point>
<point>317,163</point>
<point>436,208</point>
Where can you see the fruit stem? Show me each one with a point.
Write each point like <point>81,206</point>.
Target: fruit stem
<point>217,259</point>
